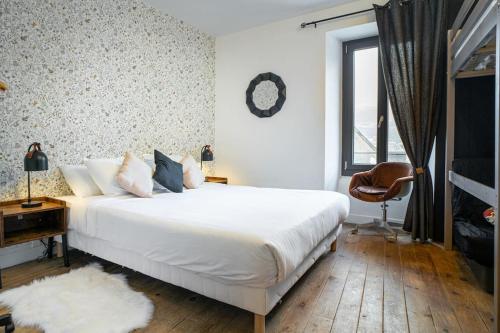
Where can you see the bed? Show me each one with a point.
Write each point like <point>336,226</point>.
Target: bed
<point>241,245</point>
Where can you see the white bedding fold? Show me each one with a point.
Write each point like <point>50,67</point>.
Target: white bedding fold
<point>235,234</point>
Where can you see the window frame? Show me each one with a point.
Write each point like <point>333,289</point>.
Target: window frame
<point>348,48</point>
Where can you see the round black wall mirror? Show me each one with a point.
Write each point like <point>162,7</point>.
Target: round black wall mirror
<point>266,95</point>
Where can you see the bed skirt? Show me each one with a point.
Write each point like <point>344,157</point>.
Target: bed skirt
<point>257,300</point>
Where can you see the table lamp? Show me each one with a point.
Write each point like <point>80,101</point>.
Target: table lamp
<point>35,160</point>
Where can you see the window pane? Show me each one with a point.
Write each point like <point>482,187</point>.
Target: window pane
<point>365,106</point>
<point>395,148</point>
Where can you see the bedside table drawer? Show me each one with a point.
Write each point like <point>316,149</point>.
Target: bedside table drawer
<point>27,227</point>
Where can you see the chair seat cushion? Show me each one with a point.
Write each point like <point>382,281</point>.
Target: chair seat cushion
<point>373,190</point>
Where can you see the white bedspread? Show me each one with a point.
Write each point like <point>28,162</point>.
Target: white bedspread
<point>234,234</point>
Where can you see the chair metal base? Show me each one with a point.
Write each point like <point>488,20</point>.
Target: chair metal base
<point>382,223</point>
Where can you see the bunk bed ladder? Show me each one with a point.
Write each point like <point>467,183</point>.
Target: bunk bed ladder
<point>496,298</point>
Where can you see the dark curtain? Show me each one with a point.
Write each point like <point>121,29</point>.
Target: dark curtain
<point>412,38</point>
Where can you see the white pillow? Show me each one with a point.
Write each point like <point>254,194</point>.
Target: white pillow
<point>150,158</point>
<point>103,172</point>
<point>135,176</point>
<point>151,163</point>
<point>80,181</point>
<point>193,176</point>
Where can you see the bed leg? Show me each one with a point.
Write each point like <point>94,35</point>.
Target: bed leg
<point>333,247</point>
<point>259,324</point>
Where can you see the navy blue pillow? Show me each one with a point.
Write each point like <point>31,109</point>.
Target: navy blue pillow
<point>168,173</point>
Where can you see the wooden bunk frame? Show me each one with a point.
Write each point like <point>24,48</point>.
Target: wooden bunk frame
<point>474,36</point>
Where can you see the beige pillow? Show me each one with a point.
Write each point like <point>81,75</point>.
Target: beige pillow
<point>134,176</point>
<point>193,176</point>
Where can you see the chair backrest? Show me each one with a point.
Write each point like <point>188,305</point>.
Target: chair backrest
<point>385,173</point>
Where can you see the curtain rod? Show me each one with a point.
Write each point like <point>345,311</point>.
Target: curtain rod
<point>315,23</point>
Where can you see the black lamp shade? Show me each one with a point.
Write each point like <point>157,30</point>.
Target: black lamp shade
<point>35,159</point>
<point>207,154</point>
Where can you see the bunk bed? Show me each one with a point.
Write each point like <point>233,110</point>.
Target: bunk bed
<point>473,51</point>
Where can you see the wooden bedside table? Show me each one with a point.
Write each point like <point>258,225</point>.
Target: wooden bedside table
<point>20,225</point>
<point>219,180</point>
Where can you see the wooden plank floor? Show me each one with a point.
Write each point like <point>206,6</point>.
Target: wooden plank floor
<point>368,285</point>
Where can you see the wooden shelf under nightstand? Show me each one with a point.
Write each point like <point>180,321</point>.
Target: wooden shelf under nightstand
<point>21,225</point>
<point>219,180</point>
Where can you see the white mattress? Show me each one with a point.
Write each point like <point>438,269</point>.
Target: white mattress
<point>233,234</point>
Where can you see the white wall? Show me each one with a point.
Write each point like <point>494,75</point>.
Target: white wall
<point>288,149</point>
<point>299,147</point>
<point>333,110</point>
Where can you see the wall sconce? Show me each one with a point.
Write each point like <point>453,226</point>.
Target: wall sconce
<point>3,86</point>
<point>206,155</point>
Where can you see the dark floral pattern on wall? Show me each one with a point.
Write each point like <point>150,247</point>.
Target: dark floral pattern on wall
<point>92,78</point>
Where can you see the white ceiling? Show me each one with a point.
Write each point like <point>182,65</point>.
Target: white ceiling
<point>220,17</point>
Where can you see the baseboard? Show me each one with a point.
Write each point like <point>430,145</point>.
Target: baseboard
<point>357,219</point>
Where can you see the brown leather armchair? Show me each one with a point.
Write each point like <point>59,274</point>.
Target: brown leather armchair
<point>386,181</point>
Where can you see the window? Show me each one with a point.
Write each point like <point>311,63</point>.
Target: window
<point>369,131</point>
<point>395,149</point>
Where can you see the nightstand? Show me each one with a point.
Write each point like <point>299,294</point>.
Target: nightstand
<point>219,180</point>
<point>20,225</point>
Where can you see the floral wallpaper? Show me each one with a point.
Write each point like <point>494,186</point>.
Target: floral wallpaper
<point>95,78</point>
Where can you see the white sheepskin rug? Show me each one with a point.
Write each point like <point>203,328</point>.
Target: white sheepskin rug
<point>83,300</point>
